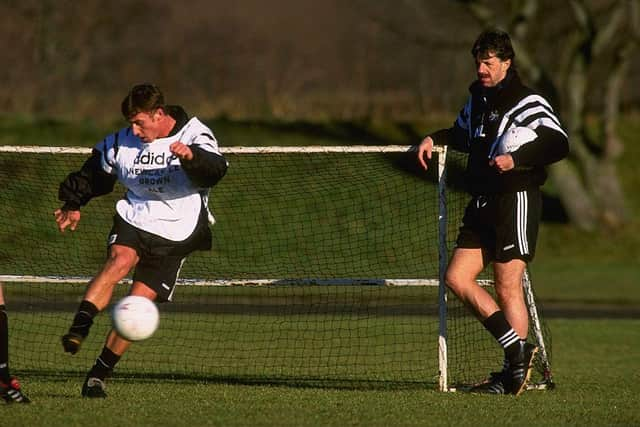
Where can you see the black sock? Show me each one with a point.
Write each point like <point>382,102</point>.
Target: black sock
<point>84,318</point>
<point>502,331</point>
<point>104,364</point>
<point>4,345</point>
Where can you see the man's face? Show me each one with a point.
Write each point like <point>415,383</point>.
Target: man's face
<point>146,125</point>
<point>491,69</point>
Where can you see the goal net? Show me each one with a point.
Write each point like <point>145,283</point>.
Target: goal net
<point>326,267</point>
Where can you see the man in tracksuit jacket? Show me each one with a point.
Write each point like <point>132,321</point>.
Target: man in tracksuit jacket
<point>500,224</point>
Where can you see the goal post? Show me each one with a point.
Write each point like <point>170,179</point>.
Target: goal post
<point>327,266</point>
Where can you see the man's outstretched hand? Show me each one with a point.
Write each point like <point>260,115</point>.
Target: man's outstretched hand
<point>66,219</point>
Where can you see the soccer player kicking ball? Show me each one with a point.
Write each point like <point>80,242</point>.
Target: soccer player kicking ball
<point>167,162</point>
<point>10,389</point>
<point>500,223</point>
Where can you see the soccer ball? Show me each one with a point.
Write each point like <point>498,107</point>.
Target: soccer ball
<point>515,138</point>
<point>135,318</point>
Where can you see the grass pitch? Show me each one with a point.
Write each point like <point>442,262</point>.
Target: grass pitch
<point>596,370</point>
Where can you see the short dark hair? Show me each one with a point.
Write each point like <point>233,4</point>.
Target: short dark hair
<point>142,98</point>
<point>494,41</point>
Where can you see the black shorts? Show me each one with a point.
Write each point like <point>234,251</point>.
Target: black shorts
<point>504,226</point>
<point>160,259</point>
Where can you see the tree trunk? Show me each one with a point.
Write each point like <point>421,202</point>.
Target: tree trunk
<point>575,198</point>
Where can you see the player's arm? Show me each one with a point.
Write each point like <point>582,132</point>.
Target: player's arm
<point>80,187</point>
<point>454,137</point>
<point>203,167</point>
<point>89,182</point>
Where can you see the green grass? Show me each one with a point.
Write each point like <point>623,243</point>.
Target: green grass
<point>596,370</point>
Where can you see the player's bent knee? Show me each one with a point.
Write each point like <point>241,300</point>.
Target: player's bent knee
<point>122,259</point>
<point>454,281</point>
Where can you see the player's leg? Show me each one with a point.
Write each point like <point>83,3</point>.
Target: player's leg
<point>10,389</point>
<point>464,267</point>
<point>4,340</point>
<point>155,279</point>
<point>115,346</point>
<point>510,294</point>
<point>475,244</point>
<point>98,294</point>
<point>519,356</point>
<point>120,262</point>
<point>470,257</point>
<point>518,216</point>
<point>122,254</point>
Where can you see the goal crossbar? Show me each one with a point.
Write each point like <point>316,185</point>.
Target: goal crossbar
<point>239,150</point>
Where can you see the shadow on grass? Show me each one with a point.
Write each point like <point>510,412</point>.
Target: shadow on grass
<point>313,383</point>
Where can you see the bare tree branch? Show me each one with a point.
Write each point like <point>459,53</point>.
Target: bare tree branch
<point>622,59</point>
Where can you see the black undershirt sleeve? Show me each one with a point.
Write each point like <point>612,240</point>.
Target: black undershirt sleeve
<point>89,182</point>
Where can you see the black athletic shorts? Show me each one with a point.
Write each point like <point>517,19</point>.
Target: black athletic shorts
<point>504,226</point>
<point>160,259</point>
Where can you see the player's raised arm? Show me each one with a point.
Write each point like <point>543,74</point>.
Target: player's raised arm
<point>204,167</point>
<point>182,151</point>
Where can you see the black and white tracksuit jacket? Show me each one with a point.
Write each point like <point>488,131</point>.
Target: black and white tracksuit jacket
<point>490,112</point>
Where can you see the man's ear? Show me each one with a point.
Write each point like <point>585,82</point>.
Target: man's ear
<point>158,114</point>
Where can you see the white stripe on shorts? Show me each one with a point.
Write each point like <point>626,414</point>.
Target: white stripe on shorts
<point>170,297</point>
<point>521,221</point>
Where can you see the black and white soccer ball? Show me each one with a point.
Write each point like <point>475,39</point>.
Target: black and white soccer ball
<point>135,318</point>
<point>515,138</point>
